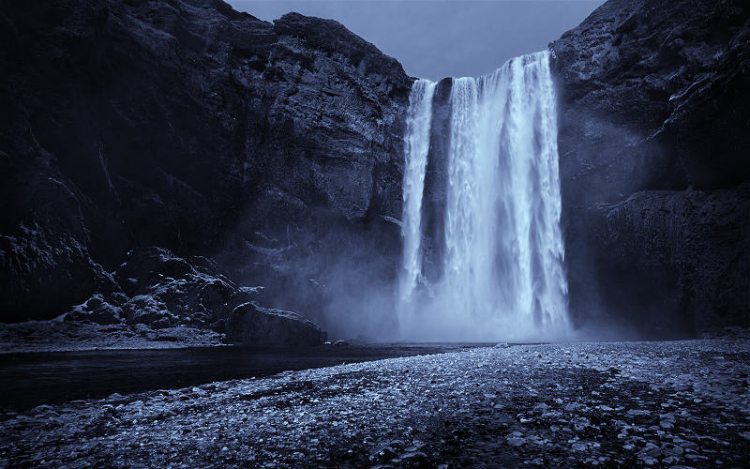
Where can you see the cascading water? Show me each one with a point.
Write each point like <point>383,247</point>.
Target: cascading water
<point>501,269</point>
<point>417,145</point>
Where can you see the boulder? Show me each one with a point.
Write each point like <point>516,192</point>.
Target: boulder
<point>167,290</point>
<point>96,310</point>
<point>252,325</point>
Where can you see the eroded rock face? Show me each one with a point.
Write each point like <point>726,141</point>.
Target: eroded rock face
<point>674,260</point>
<point>165,290</point>
<point>252,325</point>
<point>655,96</point>
<point>277,150</point>
<point>190,126</point>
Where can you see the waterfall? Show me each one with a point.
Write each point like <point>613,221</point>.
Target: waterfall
<point>416,147</point>
<point>501,269</point>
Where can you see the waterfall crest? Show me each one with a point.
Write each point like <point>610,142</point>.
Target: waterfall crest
<point>501,270</point>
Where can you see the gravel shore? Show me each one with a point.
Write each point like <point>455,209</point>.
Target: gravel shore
<point>60,336</point>
<point>631,404</point>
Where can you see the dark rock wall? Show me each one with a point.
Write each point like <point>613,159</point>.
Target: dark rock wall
<point>654,138</point>
<point>277,150</point>
<point>436,184</point>
<point>187,125</point>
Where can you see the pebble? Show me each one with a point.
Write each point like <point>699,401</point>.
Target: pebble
<point>495,407</point>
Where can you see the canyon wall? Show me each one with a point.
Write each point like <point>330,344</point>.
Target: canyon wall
<point>274,148</point>
<point>277,151</point>
<point>654,139</point>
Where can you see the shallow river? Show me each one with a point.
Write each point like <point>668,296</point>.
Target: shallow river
<point>30,379</point>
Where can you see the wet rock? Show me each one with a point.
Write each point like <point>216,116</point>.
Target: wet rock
<point>516,441</point>
<point>96,310</point>
<point>250,324</point>
<point>169,290</point>
<point>413,459</point>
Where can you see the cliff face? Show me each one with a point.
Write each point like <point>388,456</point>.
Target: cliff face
<point>654,135</point>
<point>186,125</point>
<point>277,149</point>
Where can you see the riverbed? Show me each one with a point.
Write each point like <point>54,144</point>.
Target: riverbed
<point>628,404</point>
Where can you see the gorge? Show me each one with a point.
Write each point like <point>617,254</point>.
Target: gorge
<point>146,141</point>
<point>233,243</point>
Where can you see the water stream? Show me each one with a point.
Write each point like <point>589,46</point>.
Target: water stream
<point>500,272</point>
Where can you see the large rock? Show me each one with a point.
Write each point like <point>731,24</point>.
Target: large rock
<point>160,290</point>
<point>187,125</point>
<point>166,290</point>
<point>96,310</point>
<point>655,96</point>
<point>250,324</point>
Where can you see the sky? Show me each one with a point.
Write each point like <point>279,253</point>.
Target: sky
<point>439,38</point>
